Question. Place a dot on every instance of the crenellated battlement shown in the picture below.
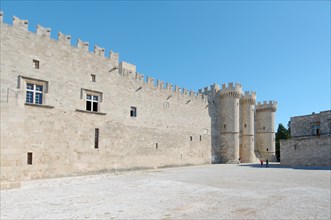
(124, 69)
(231, 87)
(62, 38)
(267, 106)
(99, 51)
(42, 31)
(20, 23)
(82, 45)
(233, 90)
(1, 16)
(160, 84)
(248, 97)
(114, 57)
(211, 90)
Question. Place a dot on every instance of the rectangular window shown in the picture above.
(96, 138)
(29, 158)
(133, 111)
(156, 145)
(35, 64)
(315, 129)
(191, 138)
(34, 94)
(93, 77)
(92, 102)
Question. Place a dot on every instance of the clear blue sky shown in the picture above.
(280, 49)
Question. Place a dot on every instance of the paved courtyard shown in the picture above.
(200, 192)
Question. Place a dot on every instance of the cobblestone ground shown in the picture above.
(200, 192)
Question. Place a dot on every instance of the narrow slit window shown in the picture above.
(157, 145)
(35, 64)
(96, 138)
(245, 125)
(29, 158)
(200, 137)
(133, 111)
(224, 126)
(191, 138)
(93, 77)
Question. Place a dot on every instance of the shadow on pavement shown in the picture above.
(277, 165)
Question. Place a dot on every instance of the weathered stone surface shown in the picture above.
(310, 143)
(306, 151)
(173, 126)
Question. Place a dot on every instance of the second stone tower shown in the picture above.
(229, 122)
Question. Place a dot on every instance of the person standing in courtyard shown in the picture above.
(261, 161)
(267, 163)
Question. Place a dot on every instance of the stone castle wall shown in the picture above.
(306, 151)
(307, 147)
(172, 128)
(302, 125)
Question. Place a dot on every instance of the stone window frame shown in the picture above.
(22, 83)
(92, 93)
(83, 95)
(315, 128)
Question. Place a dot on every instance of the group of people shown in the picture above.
(266, 163)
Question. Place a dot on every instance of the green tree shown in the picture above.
(282, 133)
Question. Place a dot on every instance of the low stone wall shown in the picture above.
(306, 151)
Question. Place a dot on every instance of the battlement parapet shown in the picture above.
(150, 80)
(127, 69)
(233, 90)
(160, 84)
(1, 16)
(211, 90)
(114, 56)
(248, 97)
(66, 39)
(42, 31)
(99, 51)
(231, 87)
(20, 23)
(82, 45)
(139, 77)
(62, 38)
(124, 69)
(169, 86)
(267, 106)
(177, 89)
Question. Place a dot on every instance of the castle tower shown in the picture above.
(265, 130)
(229, 122)
(247, 107)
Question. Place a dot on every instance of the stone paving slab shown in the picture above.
(244, 191)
